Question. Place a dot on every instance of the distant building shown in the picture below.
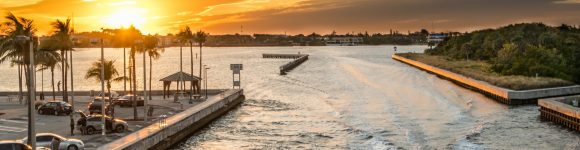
(343, 41)
(436, 37)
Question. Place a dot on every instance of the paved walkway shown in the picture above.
(13, 119)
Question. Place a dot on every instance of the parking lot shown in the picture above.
(13, 119)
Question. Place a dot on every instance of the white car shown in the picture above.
(45, 140)
(14, 145)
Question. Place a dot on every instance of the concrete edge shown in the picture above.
(502, 92)
(153, 134)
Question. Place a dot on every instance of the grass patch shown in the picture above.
(480, 70)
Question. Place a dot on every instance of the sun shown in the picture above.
(125, 18)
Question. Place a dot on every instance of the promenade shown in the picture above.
(13, 119)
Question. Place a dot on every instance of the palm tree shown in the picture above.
(150, 45)
(49, 60)
(134, 35)
(184, 36)
(61, 40)
(111, 73)
(13, 50)
(121, 39)
(200, 38)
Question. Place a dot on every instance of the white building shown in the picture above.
(343, 41)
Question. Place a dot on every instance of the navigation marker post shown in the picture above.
(236, 70)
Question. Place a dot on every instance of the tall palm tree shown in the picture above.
(49, 60)
(133, 35)
(13, 50)
(200, 38)
(111, 73)
(61, 40)
(154, 52)
(121, 39)
(185, 36)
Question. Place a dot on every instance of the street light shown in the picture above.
(205, 79)
(103, 129)
(32, 90)
(72, 89)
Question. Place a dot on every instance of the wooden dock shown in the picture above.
(298, 59)
(560, 110)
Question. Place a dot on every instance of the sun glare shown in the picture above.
(125, 18)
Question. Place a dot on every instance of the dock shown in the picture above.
(503, 95)
(561, 111)
(298, 59)
(167, 132)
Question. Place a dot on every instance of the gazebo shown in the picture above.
(180, 77)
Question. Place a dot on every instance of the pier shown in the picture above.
(503, 95)
(298, 59)
(560, 110)
(165, 133)
(284, 56)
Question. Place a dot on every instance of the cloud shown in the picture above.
(305, 16)
(567, 2)
(16, 3)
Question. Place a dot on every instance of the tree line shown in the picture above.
(528, 49)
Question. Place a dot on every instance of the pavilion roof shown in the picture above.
(181, 76)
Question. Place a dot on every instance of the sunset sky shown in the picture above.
(294, 16)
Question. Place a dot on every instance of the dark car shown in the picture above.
(127, 101)
(92, 124)
(95, 106)
(13, 145)
(55, 108)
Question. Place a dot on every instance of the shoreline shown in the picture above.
(503, 95)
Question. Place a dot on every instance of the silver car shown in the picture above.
(46, 140)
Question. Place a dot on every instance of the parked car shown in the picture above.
(92, 124)
(46, 139)
(14, 145)
(95, 106)
(113, 94)
(127, 101)
(39, 103)
(55, 108)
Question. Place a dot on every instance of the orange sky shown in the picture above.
(294, 16)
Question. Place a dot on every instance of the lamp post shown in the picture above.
(205, 79)
(103, 129)
(32, 90)
(72, 102)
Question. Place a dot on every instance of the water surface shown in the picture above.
(342, 98)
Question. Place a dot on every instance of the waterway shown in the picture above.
(341, 98)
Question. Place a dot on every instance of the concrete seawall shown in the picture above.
(560, 111)
(503, 95)
(162, 135)
(48, 94)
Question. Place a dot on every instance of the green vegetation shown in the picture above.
(530, 49)
(481, 70)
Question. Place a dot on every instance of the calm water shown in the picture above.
(344, 98)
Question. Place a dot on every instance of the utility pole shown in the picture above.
(72, 89)
(145, 86)
(103, 128)
(32, 96)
